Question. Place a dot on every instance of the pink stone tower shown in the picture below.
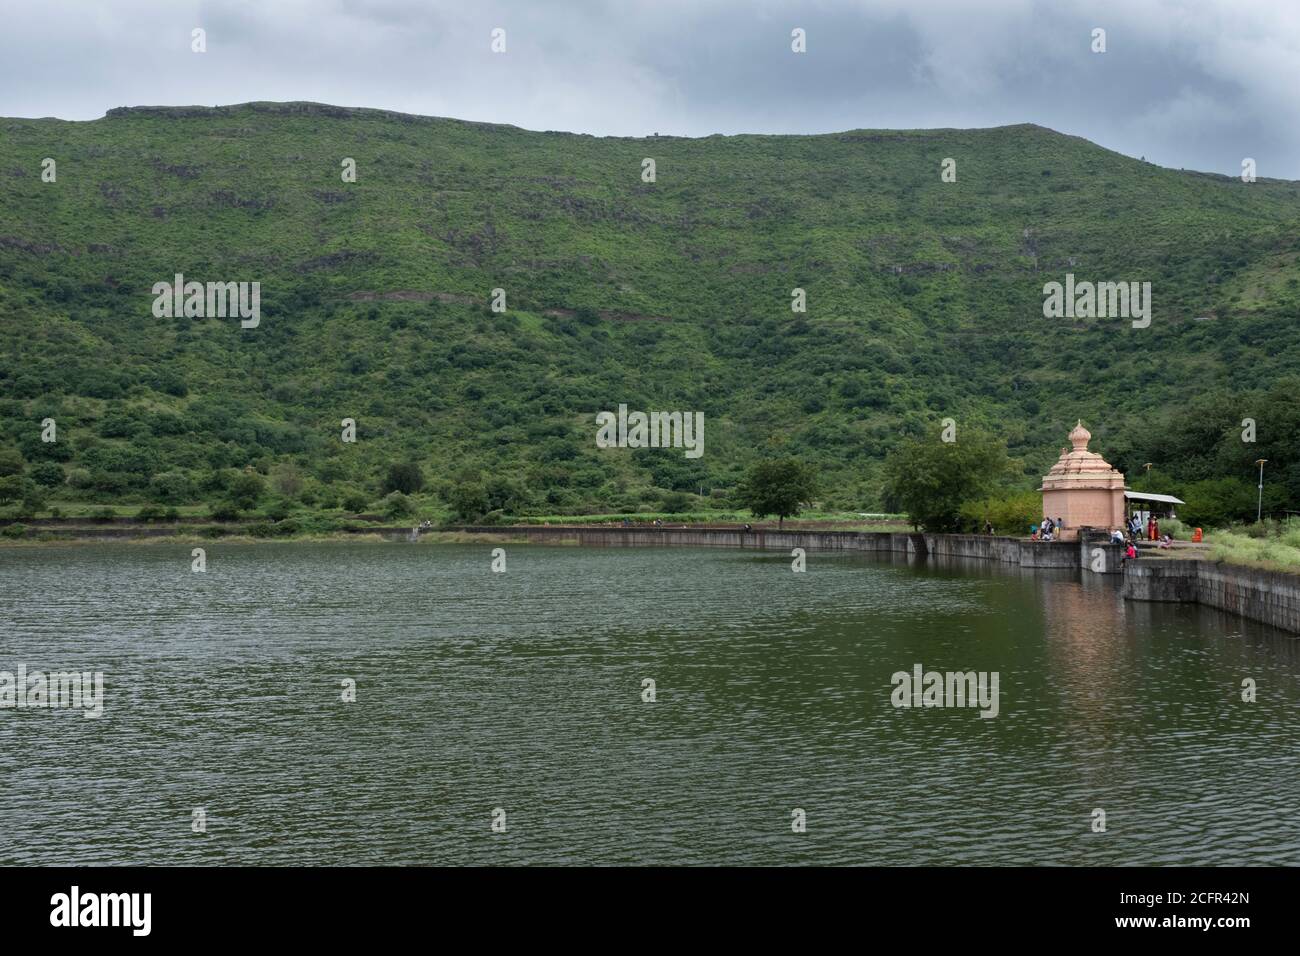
(1082, 489)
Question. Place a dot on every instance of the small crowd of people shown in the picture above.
(1134, 532)
(1128, 540)
(1049, 530)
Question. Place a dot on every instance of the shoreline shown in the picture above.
(1268, 596)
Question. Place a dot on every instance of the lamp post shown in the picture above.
(1147, 510)
(1259, 506)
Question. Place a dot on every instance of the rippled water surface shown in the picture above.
(523, 691)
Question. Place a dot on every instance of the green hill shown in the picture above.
(925, 301)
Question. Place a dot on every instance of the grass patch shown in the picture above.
(1280, 552)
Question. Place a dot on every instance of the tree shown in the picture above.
(504, 494)
(47, 473)
(14, 488)
(287, 480)
(932, 479)
(397, 505)
(34, 499)
(468, 501)
(246, 489)
(1008, 513)
(172, 487)
(11, 462)
(278, 510)
(675, 502)
(223, 511)
(1154, 481)
(405, 477)
(780, 487)
(1218, 502)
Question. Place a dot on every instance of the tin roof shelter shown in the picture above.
(1146, 496)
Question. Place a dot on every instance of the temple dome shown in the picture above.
(1078, 467)
(1079, 437)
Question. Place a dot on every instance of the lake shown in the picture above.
(523, 691)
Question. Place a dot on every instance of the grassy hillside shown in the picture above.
(924, 301)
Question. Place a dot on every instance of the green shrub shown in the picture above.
(405, 477)
(469, 501)
(48, 474)
(223, 511)
(675, 502)
(11, 462)
(278, 510)
(172, 487)
(14, 488)
(1010, 513)
(246, 490)
(397, 505)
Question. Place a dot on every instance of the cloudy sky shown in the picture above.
(1198, 84)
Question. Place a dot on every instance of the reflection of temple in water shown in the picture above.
(1088, 649)
(1085, 623)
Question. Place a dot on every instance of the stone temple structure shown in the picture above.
(1082, 489)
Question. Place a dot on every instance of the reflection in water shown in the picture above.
(1084, 620)
(523, 690)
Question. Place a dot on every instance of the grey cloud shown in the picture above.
(1195, 85)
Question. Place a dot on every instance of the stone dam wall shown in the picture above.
(1267, 596)
(1067, 555)
(1272, 597)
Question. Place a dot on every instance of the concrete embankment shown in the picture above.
(1016, 551)
(1272, 597)
(1267, 596)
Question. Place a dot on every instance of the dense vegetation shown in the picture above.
(924, 302)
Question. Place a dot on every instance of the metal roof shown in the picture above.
(1146, 496)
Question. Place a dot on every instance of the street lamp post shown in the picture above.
(1147, 510)
(1259, 505)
